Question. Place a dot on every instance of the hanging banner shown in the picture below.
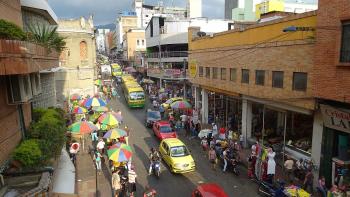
(338, 119)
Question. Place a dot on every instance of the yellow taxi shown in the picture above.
(167, 103)
(176, 155)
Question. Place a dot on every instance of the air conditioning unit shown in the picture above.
(36, 83)
(19, 89)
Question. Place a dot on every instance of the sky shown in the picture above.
(105, 11)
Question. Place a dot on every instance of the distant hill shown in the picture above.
(110, 26)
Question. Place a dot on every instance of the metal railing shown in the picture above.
(167, 73)
(168, 54)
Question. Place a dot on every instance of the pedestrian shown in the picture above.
(309, 181)
(149, 192)
(204, 144)
(289, 164)
(94, 138)
(73, 150)
(183, 119)
(116, 183)
(241, 140)
(161, 110)
(212, 157)
(100, 146)
(193, 130)
(132, 181)
(322, 186)
(222, 133)
(127, 129)
(97, 159)
(225, 158)
(215, 129)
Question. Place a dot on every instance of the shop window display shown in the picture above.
(299, 131)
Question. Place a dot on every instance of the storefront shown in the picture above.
(335, 155)
(288, 132)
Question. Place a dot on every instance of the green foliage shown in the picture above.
(37, 114)
(11, 31)
(50, 130)
(46, 36)
(28, 153)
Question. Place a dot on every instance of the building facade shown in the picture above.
(78, 60)
(331, 85)
(126, 21)
(134, 41)
(283, 6)
(20, 64)
(101, 40)
(257, 81)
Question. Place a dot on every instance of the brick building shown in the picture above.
(331, 86)
(20, 64)
(256, 80)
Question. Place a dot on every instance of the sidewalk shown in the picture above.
(86, 176)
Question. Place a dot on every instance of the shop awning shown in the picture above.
(216, 90)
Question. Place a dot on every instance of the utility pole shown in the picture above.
(160, 63)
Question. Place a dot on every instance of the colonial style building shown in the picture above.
(78, 60)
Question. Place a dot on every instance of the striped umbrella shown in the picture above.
(181, 105)
(94, 102)
(82, 127)
(100, 109)
(115, 134)
(108, 119)
(75, 97)
(119, 152)
(79, 110)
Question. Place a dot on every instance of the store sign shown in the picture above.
(172, 72)
(192, 67)
(335, 118)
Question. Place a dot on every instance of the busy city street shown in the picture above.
(142, 139)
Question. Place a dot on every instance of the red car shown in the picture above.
(209, 190)
(163, 130)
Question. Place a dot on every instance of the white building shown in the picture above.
(299, 7)
(101, 40)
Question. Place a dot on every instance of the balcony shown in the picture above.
(170, 74)
(167, 56)
(22, 57)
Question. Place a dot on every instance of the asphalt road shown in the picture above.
(175, 185)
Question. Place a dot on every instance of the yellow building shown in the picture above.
(134, 41)
(78, 60)
(257, 81)
(268, 6)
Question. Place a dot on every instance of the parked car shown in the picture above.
(209, 190)
(176, 155)
(151, 117)
(167, 103)
(162, 129)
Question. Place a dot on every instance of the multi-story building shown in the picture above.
(134, 41)
(293, 6)
(101, 40)
(240, 10)
(126, 21)
(77, 61)
(331, 87)
(20, 64)
(167, 45)
(257, 80)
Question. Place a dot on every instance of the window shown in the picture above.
(143, 42)
(277, 79)
(207, 72)
(245, 76)
(233, 74)
(215, 73)
(138, 42)
(299, 81)
(260, 77)
(345, 43)
(223, 73)
(83, 50)
(200, 71)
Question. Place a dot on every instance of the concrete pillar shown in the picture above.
(197, 95)
(317, 133)
(204, 109)
(246, 120)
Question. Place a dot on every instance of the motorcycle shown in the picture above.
(156, 168)
(268, 189)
